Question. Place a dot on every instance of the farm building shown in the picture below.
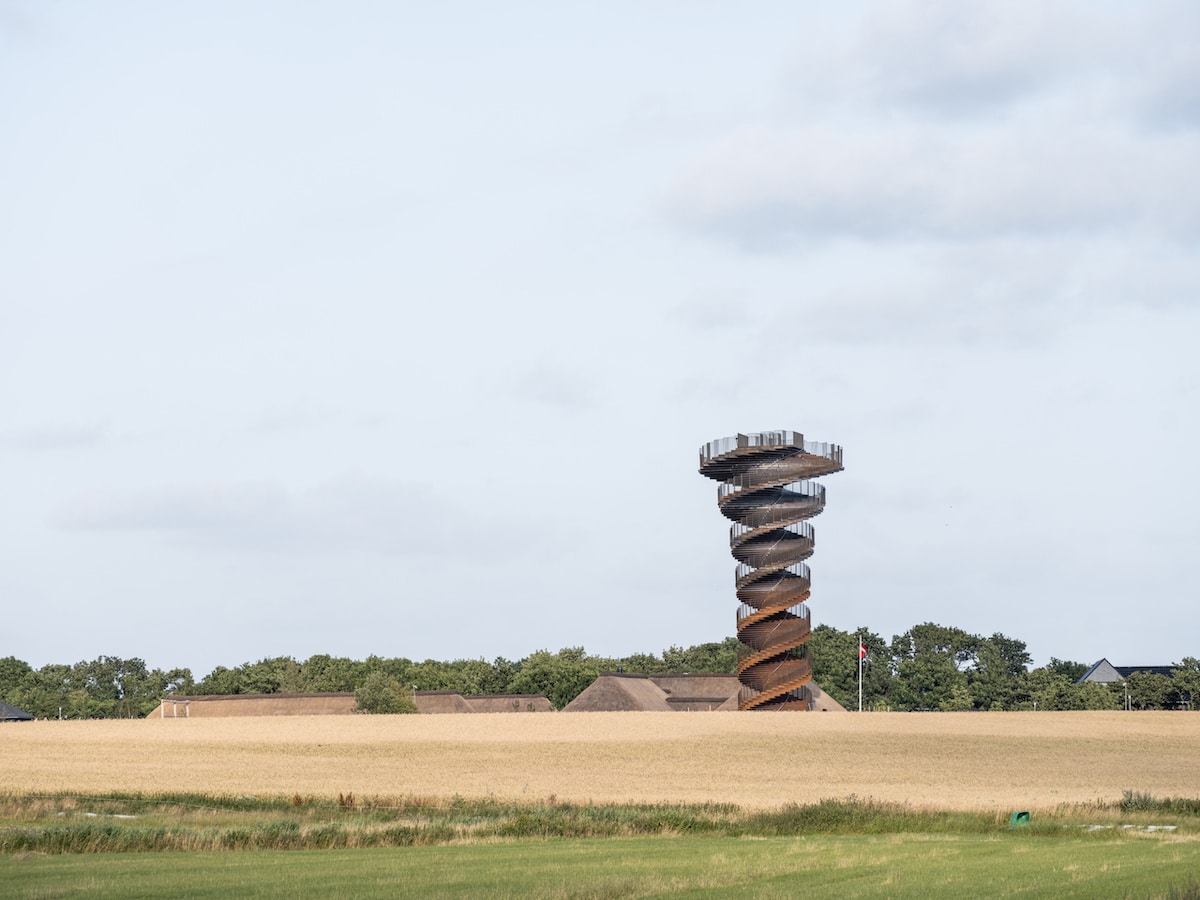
(507, 702)
(336, 704)
(1104, 672)
(621, 691)
(454, 702)
(12, 714)
(610, 692)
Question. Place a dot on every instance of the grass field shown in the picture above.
(904, 866)
(945, 760)
(602, 805)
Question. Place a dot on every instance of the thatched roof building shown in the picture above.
(337, 704)
(508, 703)
(624, 691)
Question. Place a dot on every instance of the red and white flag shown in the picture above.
(862, 650)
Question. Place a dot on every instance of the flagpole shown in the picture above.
(860, 659)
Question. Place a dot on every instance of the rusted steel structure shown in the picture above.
(766, 489)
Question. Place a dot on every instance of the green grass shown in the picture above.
(899, 866)
(188, 845)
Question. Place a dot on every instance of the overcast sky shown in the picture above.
(395, 328)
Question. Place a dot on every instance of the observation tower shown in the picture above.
(766, 489)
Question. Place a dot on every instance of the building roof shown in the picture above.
(618, 691)
(614, 693)
(12, 714)
(508, 703)
(1126, 671)
(821, 701)
(338, 703)
(1104, 672)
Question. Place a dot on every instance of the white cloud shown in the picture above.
(714, 311)
(1011, 292)
(965, 121)
(55, 437)
(557, 386)
(772, 187)
(956, 59)
(347, 514)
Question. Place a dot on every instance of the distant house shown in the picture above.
(12, 714)
(1104, 672)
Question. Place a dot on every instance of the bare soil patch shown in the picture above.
(946, 760)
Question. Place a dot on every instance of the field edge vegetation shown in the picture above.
(72, 823)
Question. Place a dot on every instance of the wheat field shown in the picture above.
(945, 760)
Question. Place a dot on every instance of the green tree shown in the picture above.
(1072, 670)
(1100, 696)
(398, 667)
(1185, 677)
(382, 694)
(46, 690)
(14, 675)
(834, 655)
(322, 674)
(267, 676)
(291, 678)
(958, 700)
(1054, 687)
(79, 704)
(220, 680)
(719, 657)
(432, 675)
(95, 688)
(998, 677)
(1148, 690)
(926, 681)
(137, 690)
(156, 685)
(473, 676)
(176, 681)
(931, 662)
(930, 638)
(561, 676)
(644, 663)
(1050, 688)
(503, 672)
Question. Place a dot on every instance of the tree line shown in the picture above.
(934, 667)
(928, 667)
(112, 687)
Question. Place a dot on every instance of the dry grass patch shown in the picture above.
(945, 760)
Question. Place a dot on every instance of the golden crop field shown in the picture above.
(949, 760)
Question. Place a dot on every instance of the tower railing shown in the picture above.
(768, 440)
(803, 529)
(802, 488)
(800, 570)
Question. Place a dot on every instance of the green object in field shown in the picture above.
(1018, 819)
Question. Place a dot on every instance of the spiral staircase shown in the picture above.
(767, 490)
